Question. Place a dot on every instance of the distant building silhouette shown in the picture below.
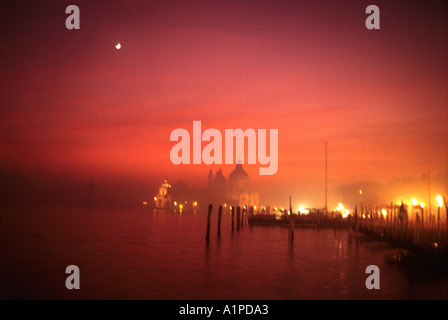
(237, 191)
(163, 199)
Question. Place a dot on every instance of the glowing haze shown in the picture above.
(73, 107)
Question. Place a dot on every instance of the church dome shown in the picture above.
(220, 180)
(239, 176)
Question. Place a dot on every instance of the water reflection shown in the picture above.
(123, 253)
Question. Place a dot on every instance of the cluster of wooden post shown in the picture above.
(393, 226)
(397, 226)
(241, 217)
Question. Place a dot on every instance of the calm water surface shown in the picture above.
(143, 254)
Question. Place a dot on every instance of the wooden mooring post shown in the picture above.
(356, 226)
(219, 220)
(446, 212)
(291, 221)
(353, 227)
(291, 227)
(207, 236)
(233, 217)
(238, 217)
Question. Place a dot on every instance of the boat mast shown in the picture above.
(326, 176)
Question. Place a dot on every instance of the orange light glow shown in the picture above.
(439, 200)
(302, 210)
(344, 212)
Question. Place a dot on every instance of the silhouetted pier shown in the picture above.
(392, 224)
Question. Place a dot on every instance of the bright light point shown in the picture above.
(439, 200)
(414, 202)
(360, 191)
(302, 210)
(344, 212)
(384, 212)
(155, 198)
(118, 46)
(422, 204)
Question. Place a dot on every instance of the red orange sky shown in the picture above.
(73, 105)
